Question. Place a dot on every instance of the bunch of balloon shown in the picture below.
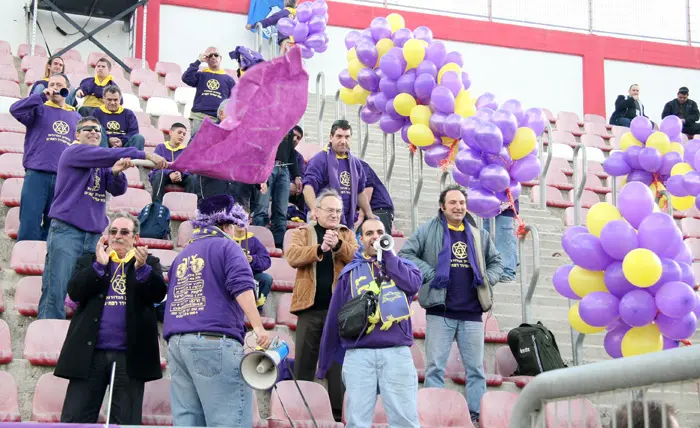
(631, 275)
(684, 182)
(649, 156)
(308, 27)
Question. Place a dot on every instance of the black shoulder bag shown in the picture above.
(353, 319)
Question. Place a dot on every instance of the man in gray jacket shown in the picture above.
(460, 264)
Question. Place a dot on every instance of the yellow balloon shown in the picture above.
(681, 168)
(413, 53)
(682, 203)
(354, 67)
(420, 115)
(467, 110)
(396, 21)
(404, 103)
(678, 148)
(584, 282)
(642, 267)
(360, 94)
(449, 67)
(420, 135)
(627, 140)
(599, 215)
(523, 143)
(347, 96)
(383, 46)
(352, 54)
(660, 142)
(580, 325)
(465, 105)
(642, 340)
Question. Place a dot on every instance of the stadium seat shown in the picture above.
(76, 77)
(690, 227)
(5, 47)
(44, 341)
(9, 72)
(165, 122)
(439, 407)
(166, 259)
(187, 110)
(454, 369)
(283, 316)
(496, 409)
(556, 178)
(596, 129)
(283, 275)
(597, 169)
(11, 142)
(156, 403)
(124, 85)
(133, 177)
(143, 119)
(315, 395)
(11, 165)
(173, 81)
(591, 140)
(9, 89)
(578, 413)
(418, 361)
(568, 126)
(96, 56)
(2, 303)
(548, 114)
(183, 206)
(594, 118)
(49, 395)
(140, 76)
(492, 332)
(5, 344)
(150, 89)
(11, 192)
(185, 95)
(25, 49)
(569, 216)
(398, 243)
(27, 294)
(308, 150)
(9, 399)
(595, 155)
(265, 237)
(34, 75)
(131, 102)
(72, 66)
(564, 137)
(6, 103)
(152, 136)
(136, 63)
(561, 151)
(588, 198)
(594, 184)
(132, 201)
(505, 362)
(418, 320)
(6, 59)
(163, 68)
(553, 197)
(619, 131)
(568, 116)
(29, 61)
(12, 223)
(28, 257)
(694, 245)
(152, 243)
(184, 233)
(157, 106)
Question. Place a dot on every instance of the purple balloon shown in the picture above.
(423, 87)
(306, 52)
(423, 33)
(644, 177)
(535, 119)
(487, 100)
(391, 111)
(696, 161)
(452, 81)
(453, 126)
(301, 31)
(561, 282)
(616, 165)
(650, 159)
(427, 67)
(368, 79)
(391, 66)
(346, 80)
(515, 189)
(670, 271)
(469, 162)
(304, 13)
(484, 114)
(677, 328)
(676, 186)
(380, 28)
(494, 178)
(380, 101)
(659, 233)
(613, 340)
(285, 26)
(671, 125)
(615, 280)
(514, 107)
(390, 125)
(670, 344)
(687, 275)
(675, 299)
(480, 201)
(366, 33)
(635, 203)
(641, 128)
(463, 179)
(668, 161)
(404, 136)
(388, 86)
(637, 308)
(369, 116)
(401, 36)
(437, 123)
(632, 157)
(436, 53)
(691, 148)
(406, 83)
(469, 125)
(507, 123)
(319, 8)
(316, 26)
(323, 48)
(314, 41)
(456, 58)
(434, 155)
(442, 100)
(367, 53)
(599, 308)
(618, 238)
(526, 169)
(691, 182)
(488, 138)
(586, 251)
(684, 255)
(676, 138)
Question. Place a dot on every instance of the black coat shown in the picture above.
(673, 107)
(90, 290)
(625, 107)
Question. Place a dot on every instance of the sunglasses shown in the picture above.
(122, 232)
(213, 55)
(90, 129)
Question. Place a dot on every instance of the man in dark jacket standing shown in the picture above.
(686, 109)
(115, 324)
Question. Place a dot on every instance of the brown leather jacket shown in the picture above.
(302, 255)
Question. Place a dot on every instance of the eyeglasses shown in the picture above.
(90, 129)
(122, 232)
(213, 55)
(330, 211)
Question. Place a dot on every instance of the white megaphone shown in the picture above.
(384, 243)
(259, 369)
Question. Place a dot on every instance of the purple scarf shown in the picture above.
(333, 183)
(442, 271)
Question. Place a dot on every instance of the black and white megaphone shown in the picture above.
(260, 369)
(384, 243)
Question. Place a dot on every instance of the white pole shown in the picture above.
(111, 391)
(143, 37)
(34, 18)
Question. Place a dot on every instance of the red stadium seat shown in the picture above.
(44, 341)
(564, 137)
(152, 243)
(558, 179)
(76, 77)
(492, 332)
(694, 245)
(132, 201)
(5, 344)
(594, 184)
(10, 124)
(454, 369)
(10, 89)
(380, 419)
(418, 320)
(568, 126)
(596, 129)
(308, 150)
(11, 142)
(38, 62)
(9, 72)
(5, 47)
(174, 81)
(152, 136)
(553, 197)
(418, 361)
(139, 76)
(9, 399)
(136, 63)
(11, 192)
(143, 119)
(569, 216)
(7, 59)
(2, 303)
(266, 238)
(12, 222)
(283, 275)
(183, 206)
(559, 164)
(283, 316)
(579, 413)
(166, 122)
(439, 407)
(184, 233)
(398, 243)
(133, 177)
(27, 294)
(11, 165)
(49, 395)
(150, 89)
(496, 409)
(163, 68)
(94, 57)
(596, 168)
(156, 403)
(588, 198)
(28, 257)
(505, 362)
(318, 401)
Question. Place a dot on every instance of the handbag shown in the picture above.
(353, 318)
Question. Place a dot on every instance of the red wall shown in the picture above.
(593, 49)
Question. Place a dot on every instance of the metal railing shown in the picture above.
(578, 338)
(526, 292)
(340, 108)
(362, 135)
(545, 165)
(443, 180)
(320, 104)
(669, 207)
(415, 186)
(389, 160)
(273, 48)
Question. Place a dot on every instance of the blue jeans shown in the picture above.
(206, 387)
(65, 244)
(278, 190)
(264, 284)
(439, 335)
(35, 203)
(136, 141)
(622, 121)
(506, 244)
(390, 369)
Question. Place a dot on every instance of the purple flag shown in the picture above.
(267, 102)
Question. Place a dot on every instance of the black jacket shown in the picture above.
(286, 153)
(90, 290)
(673, 107)
(625, 107)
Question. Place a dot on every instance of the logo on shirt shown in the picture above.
(345, 178)
(188, 292)
(119, 284)
(213, 84)
(459, 250)
(113, 125)
(61, 127)
(95, 191)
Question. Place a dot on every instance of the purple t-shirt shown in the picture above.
(345, 181)
(380, 196)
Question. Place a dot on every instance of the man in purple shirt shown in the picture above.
(91, 88)
(116, 288)
(171, 150)
(86, 173)
(379, 199)
(120, 124)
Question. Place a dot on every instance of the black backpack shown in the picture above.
(155, 221)
(535, 349)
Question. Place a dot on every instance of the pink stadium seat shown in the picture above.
(619, 131)
(418, 361)
(44, 341)
(174, 81)
(568, 126)
(150, 89)
(152, 243)
(690, 227)
(9, 400)
(379, 420)
(316, 396)
(564, 137)
(308, 150)
(396, 233)
(266, 238)
(135, 63)
(123, 84)
(27, 296)
(184, 233)
(283, 275)
(596, 168)
(7, 59)
(439, 407)
(5, 344)
(143, 119)
(76, 77)
(152, 136)
(418, 319)
(562, 165)
(267, 322)
(595, 184)
(49, 395)
(12, 222)
(9, 89)
(166, 259)
(94, 57)
(34, 75)
(454, 369)
(568, 116)
(72, 66)
(5, 47)
(166, 121)
(72, 55)
(696, 272)
(183, 206)
(11, 192)
(28, 257)
(139, 76)
(548, 114)
(588, 198)
(33, 62)
(132, 201)
(694, 245)
(596, 129)
(11, 165)
(505, 362)
(283, 316)
(579, 413)
(492, 332)
(163, 68)
(591, 140)
(10, 124)
(25, 49)
(569, 216)
(496, 408)
(9, 72)
(556, 178)
(156, 403)
(594, 118)
(553, 197)
(133, 177)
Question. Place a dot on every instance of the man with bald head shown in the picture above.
(213, 86)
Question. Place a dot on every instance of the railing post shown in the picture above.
(389, 160)
(35, 7)
(340, 111)
(526, 293)
(545, 165)
(259, 37)
(443, 180)
(669, 207)
(613, 187)
(688, 27)
(320, 104)
(578, 338)
(415, 190)
(362, 135)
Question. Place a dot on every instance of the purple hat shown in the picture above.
(220, 209)
(246, 57)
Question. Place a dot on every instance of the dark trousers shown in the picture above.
(386, 216)
(309, 331)
(35, 203)
(213, 186)
(84, 396)
(248, 196)
(691, 128)
(160, 180)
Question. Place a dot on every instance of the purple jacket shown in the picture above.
(122, 124)
(170, 154)
(261, 258)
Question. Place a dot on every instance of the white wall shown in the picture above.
(14, 26)
(658, 85)
(537, 79)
